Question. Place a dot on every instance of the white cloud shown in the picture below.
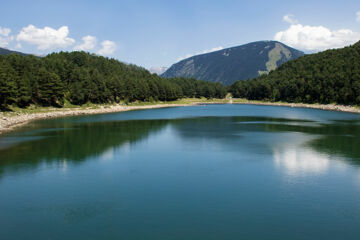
(358, 16)
(158, 70)
(46, 38)
(89, 43)
(316, 38)
(5, 31)
(18, 46)
(201, 52)
(290, 19)
(4, 42)
(5, 39)
(108, 48)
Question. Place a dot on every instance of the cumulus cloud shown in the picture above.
(358, 16)
(89, 43)
(5, 39)
(315, 38)
(5, 31)
(290, 19)
(108, 48)
(45, 38)
(201, 52)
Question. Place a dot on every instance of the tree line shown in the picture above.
(79, 77)
(332, 76)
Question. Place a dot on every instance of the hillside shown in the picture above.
(80, 77)
(332, 76)
(236, 63)
(4, 51)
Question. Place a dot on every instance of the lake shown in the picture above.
(197, 172)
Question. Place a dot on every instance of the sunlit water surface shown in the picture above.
(202, 172)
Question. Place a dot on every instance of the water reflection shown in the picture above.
(74, 143)
(306, 150)
(299, 147)
(217, 177)
(299, 161)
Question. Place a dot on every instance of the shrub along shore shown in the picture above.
(19, 116)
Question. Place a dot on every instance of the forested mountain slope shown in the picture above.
(4, 51)
(332, 76)
(80, 77)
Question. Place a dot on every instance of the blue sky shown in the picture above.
(159, 33)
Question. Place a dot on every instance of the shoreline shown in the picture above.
(326, 107)
(10, 123)
(16, 119)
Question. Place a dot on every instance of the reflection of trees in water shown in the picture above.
(223, 128)
(332, 138)
(299, 147)
(77, 142)
(336, 137)
(74, 143)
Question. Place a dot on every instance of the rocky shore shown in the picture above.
(328, 107)
(9, 122)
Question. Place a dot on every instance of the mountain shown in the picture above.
(4, 51)
(332, 76)
(236, 63)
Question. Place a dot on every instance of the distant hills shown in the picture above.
(332, 76)
(4, 51)
(237, 63)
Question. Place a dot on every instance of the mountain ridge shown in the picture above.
(235, 63)
(5, 51)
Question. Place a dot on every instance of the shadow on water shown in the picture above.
(76, 142)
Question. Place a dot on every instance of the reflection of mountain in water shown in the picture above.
(78, 141)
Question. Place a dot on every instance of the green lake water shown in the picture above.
(202, 172)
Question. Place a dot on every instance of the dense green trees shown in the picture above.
(7, 83)
(81, 77)
(332, 76)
